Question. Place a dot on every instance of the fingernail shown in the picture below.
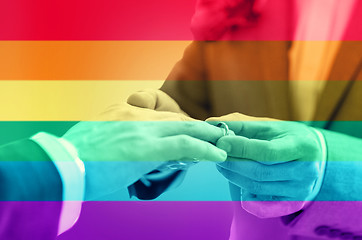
(224, 146)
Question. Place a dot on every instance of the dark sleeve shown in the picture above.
(187, 82)
(30, 192)
(157, 187)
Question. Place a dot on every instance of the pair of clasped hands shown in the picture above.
(273, 164)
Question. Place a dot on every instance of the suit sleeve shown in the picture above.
(30, 192)
(338, 207)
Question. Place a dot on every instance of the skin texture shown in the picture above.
(127, 142)
(275, 163)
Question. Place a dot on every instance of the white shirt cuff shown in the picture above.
(322, 166)
(72, 173)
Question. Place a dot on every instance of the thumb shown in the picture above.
(143, 99)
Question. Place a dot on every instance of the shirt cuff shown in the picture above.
(293, 218)
(322, 166)
(72, 174)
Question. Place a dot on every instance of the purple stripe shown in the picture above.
(166, 220)
(153, 220)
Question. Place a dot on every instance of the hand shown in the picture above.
(154, 99)
(118, 153)
(158, 100)
(276, 163)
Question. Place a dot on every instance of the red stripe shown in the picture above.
(137, 20)
(95, 19)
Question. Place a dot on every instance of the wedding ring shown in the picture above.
(225, 128)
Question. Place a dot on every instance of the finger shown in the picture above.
(197, 129)
(256, 130)
(278, 188)
(300, 176)
(261, 172)
(266, 152)
(185, 147)
(250, 127)
(237, 117)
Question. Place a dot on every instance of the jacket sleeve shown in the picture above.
(185, 89)
(187, 84)
(30, 192)
(338, 207)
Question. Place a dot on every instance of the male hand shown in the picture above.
(127, 142)
(154, 99)
(277, 164)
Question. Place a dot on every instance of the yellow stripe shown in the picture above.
(63, 100)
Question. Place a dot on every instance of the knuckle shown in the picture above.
(190, 127)
(187, 124)
(184, 142)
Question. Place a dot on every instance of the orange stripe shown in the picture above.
(88, 60)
